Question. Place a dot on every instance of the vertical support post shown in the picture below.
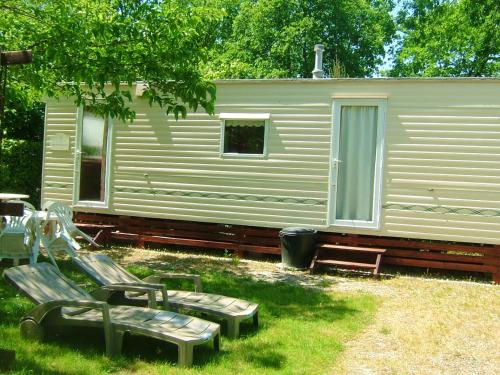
(185, 354)
(9, 58)
(140, 241)
(376, 271)
(233, 327)
(3, 86)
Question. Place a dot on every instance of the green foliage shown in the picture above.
(235, 260)
(23, 120)
(275, 38)
(93, 50)
(21, 168)
(448, 38)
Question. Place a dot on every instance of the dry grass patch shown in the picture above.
(430, 327)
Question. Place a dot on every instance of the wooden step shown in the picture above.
(101, 232)
(351, 248)
(342, 263)
(325, 256)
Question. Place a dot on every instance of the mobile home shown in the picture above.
(398, 158)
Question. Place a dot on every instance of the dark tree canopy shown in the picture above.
(275, 38)
(448, 38)
(82, 46)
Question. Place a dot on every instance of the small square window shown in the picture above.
(244, 137)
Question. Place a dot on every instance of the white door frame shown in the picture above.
(78, 162)
(381, 103)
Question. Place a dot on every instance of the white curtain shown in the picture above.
(356, 170)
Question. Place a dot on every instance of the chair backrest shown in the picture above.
(42, 282)
(30, 232)
(14, 224)
(17, 237)
(103, 270)
(64, 214)
(17, 224)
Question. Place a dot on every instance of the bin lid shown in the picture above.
(294, 231)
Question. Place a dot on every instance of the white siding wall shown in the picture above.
(187, 179)
(58, 166)
(441, 171)
(443, 162)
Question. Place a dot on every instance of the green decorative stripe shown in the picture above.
(59, 186)
(241, 197)
(490, 212)
(200, 194)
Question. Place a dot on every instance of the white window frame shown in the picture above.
(266, 117)
(381, 103)
(78, 159)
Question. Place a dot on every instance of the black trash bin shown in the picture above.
(297, 246)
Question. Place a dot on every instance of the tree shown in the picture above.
(275, 38)
(88, 49)
(448, 38)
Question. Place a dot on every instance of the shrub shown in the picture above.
(21, 168)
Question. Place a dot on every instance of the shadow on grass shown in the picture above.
(264, 356)
(278, 300)
(170, 260)
(429, 273)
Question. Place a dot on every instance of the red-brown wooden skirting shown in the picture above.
(242, 239)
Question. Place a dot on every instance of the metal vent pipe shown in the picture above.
(318, 61)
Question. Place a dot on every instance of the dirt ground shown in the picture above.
(423, 325)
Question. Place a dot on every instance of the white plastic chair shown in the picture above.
(65, 218)
(62, 237)
(17, 237)
(52, 235)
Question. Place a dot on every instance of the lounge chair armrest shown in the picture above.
(157, 278)
(145, 285)
(129, 288)
(136, 289)
(140, 289)
(41, 311)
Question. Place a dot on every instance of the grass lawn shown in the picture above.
(302, 331)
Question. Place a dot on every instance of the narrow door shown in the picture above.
(356, 168)
(92, 160)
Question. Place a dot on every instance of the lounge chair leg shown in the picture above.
(217, 343)
(256, 320)
(233, 328)
(31, 330)
(114, 344)
(185, 355)
(51, 258)
(118, 342)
